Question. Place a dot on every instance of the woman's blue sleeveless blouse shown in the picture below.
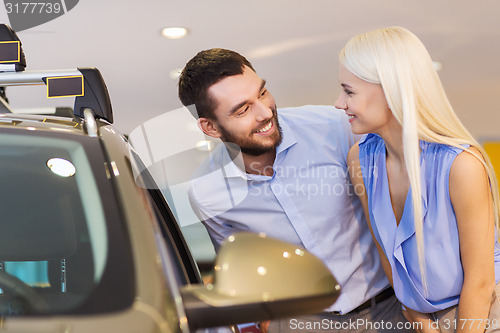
(441, 242)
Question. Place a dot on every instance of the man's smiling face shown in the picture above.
(246, 113)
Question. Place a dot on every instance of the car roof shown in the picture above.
(31, 122)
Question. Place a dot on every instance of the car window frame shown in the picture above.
(169, 226)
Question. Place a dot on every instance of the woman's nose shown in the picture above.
(340, 103)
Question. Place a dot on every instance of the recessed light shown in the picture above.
(174, 32)
(437, 65)
(174, 74)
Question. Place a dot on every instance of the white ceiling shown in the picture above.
(293, 44)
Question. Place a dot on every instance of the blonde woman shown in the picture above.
(427, 187)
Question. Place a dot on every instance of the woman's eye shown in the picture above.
(348, 92)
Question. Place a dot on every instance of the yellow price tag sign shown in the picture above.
(10, 51)
(65, 86)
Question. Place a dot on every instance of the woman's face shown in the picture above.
(364, 103)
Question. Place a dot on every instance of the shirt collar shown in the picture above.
(230, 167)
(288, 139)
(365, 137)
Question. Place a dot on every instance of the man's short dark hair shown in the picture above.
(204, 70)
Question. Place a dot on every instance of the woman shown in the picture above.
(427, 187)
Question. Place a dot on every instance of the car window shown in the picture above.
(58, 216)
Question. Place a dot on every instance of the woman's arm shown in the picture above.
(471, 199)
(359, 188)
(356, 176)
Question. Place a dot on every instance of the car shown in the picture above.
(88, 242)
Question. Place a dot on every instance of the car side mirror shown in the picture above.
(260, 278)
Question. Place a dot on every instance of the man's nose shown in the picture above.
(264, 112)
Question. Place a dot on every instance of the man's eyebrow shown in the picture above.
(345, 85)
(262, 85)
(238, 106)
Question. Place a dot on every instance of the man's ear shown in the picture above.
(209, 127)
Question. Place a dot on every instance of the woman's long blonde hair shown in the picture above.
(397, 60)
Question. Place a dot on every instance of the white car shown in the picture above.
(89, 244)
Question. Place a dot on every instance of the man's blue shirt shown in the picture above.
(309, 201)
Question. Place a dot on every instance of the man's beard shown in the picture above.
(249, 146)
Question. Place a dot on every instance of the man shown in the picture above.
(284, 173)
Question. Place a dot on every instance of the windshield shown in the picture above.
(54, 226)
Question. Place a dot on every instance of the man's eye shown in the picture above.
(263, 92)
(243, 111)
(348, 92)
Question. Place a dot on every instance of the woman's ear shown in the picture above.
(209, 127)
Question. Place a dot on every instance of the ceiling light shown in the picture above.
(174, 74)
(174, 32)
(437, 65)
